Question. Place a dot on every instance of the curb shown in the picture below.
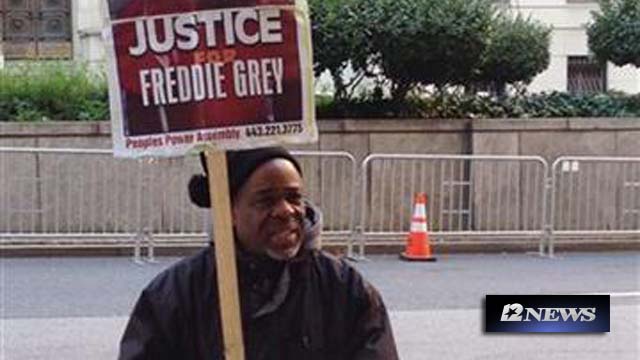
(338, 250)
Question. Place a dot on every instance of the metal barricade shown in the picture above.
(486, 198)
(87, 198)
(595, 199)
(330, 183)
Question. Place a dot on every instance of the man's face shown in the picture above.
(268, 210)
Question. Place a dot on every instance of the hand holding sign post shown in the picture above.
(205, 75)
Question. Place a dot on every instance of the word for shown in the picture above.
(214, 56)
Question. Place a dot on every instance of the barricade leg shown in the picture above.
(361, 247)
(350, 247)
(150, 247)
(550, 245)
(137, 248)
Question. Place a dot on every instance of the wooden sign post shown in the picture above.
(225, 256)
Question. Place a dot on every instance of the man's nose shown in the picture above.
(283, 208)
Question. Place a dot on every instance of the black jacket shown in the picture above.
(311, 307)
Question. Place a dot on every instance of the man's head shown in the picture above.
(266, 195)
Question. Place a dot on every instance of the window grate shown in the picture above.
(585, 75)
(36, 28)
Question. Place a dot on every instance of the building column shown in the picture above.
(88, 21)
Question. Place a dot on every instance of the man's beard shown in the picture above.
(281, 246)
(285, 254)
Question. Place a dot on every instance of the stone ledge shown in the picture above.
(519, 124)
(393, 125)
(604, 123)
(345, 126)
(556, 124)
(54, 128)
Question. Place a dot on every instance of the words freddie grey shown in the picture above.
(199, 82)
(202, 81)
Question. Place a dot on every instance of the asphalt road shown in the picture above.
(76, 308)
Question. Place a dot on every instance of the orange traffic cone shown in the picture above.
(418, 247)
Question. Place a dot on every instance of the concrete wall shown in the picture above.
(579, 137)
(551, 138)
(519, 199)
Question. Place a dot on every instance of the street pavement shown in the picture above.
(76, 308)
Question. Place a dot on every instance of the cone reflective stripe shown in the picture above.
(419, 220)
(418, 225)
(418, 247)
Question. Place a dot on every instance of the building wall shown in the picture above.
(569, 20)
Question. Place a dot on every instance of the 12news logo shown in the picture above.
(547, 313)
(513, 312)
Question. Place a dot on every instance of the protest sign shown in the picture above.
(210, 75)
(231, 74)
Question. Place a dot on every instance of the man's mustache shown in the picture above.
(293, 221)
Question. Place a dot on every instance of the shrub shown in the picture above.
(614, 35)
(430, 41)
(518, 50)
(341, 37)
(407, 43)
(52, 91)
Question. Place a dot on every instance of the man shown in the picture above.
(296, 301)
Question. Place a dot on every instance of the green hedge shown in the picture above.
(52, 91)
(460, 106)
(58, 91)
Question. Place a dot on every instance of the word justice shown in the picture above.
(181, 31)
(198, 82)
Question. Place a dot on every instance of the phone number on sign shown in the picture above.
(273, 129)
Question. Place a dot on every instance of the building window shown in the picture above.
(36, 29)
(585, 75)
